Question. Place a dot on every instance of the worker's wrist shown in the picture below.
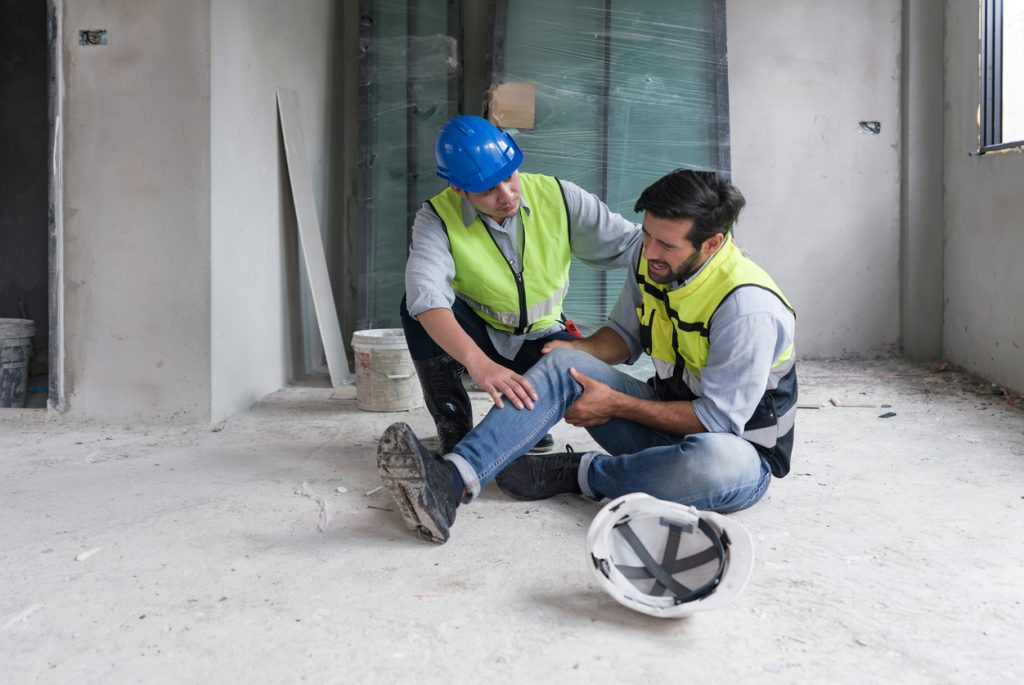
(473, 360)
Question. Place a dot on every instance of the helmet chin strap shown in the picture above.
(663, 571)
(667, 559)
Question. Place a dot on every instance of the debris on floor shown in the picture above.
(323, 519)
(837, 402)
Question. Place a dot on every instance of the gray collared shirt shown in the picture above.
(597, 237)
(749, 331)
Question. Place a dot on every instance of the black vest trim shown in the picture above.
(750, 285)
(775, 403)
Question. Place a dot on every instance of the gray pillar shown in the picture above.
(921, 197)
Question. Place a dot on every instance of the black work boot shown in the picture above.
(539, 476)
(446, 399)
(544, 445)
(421, 484)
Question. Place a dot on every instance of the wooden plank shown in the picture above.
(309, 236)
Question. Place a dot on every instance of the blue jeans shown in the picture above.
(710, 471)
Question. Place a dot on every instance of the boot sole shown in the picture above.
(520, 498)
(402, 473)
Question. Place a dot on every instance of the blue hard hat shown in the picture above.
(474, 155)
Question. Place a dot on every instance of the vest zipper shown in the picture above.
(520, 287)
(522, 300)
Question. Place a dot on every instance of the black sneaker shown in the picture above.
(534, 476)
(420, 483)
(544, 445)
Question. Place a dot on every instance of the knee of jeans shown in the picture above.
(563, 357)
(556, 365)
(553, 361)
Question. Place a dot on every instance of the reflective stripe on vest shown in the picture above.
(675, 332)
(487, 282)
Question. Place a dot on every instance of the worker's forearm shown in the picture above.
(443, 329)
(674, 418)
(605, 344)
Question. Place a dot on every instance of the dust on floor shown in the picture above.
(263, 550)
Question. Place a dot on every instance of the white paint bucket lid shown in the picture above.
(379, 339)
(17, 328)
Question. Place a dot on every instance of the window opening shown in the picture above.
(1002, 75)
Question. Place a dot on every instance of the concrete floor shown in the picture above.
(157, 554)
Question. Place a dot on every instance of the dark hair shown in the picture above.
(707, 197)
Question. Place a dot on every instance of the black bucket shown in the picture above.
(15, 354)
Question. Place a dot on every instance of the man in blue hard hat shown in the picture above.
(488, 269)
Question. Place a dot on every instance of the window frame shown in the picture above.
(991, 138)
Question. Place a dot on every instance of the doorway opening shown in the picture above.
(28, 52)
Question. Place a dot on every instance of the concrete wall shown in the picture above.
(136, 217)
(823, 214)
(983, 327)
(263, 329)
(183, 286)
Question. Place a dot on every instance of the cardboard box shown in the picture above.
(511, 105)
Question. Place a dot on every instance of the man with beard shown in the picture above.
(709, 430)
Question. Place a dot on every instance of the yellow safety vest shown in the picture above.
(509, 301)
(675, 330)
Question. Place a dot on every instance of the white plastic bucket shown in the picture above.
(385, 376)
(15, 354)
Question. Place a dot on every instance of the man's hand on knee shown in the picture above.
(595, 406)
(497, 380)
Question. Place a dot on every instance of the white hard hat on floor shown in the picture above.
(666, 559)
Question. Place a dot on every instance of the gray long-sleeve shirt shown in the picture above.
(597, 237)
(750, 330)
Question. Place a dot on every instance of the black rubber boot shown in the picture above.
(421, 484)
(446, 399)
(535, 476)
(544, 445)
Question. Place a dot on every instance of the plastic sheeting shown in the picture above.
(408, 88)
(625, 92)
